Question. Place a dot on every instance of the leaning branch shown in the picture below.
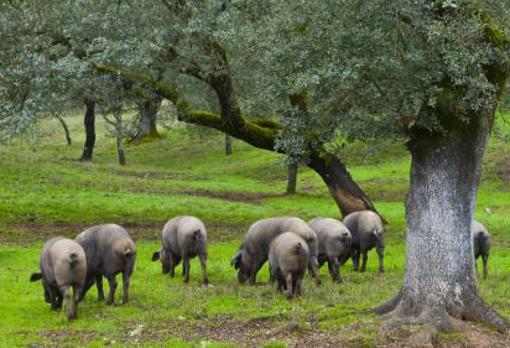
(257, 133)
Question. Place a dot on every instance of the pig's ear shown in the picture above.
(156, 256)
(236, 260)
(35, 277)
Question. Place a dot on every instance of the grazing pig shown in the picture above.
(481, 244)
(63, 265)
(288, 258)
(334, 244)
(367, 231)
(109, 251)
(253, 253)
(183, 237)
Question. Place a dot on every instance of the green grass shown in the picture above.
(45, 191)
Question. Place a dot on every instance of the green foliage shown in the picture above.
(368, 68)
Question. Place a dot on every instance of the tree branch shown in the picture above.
(260, 133)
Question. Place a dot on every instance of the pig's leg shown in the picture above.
(99, 285)
(257, 265)
(125, 286)
(288, 282)
(185, 268)
(69, 304)
(380, 254)
(355, 258)
(364, 255)
(113, 286)
(484, 259)
(334, 269)
(314, 267)
(203, 266)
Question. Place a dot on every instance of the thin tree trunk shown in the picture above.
(117, 114)
(228, 145)
(66, 130)
(146, 127)
(120, 149)
(439, 285)
(292, 177)
(90, 129)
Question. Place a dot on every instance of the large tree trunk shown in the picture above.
(146, 127)
(90, 129)
(439, 285)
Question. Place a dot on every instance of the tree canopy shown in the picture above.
(366, 69)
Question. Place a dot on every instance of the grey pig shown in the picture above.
(109, 251)
(63, 265)
(288, 258)
(481, 244)
(334, 244)
(253, 253)
(367, 231)
(183, 237)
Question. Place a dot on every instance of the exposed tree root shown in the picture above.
(388, 306)
(479, 311)
(404, 310)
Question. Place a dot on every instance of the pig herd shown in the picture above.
(289, 244)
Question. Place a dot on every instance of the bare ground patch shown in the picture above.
(29, 233)
(59, 338)
(246, 334)
(239, 197)
(255, 333)
(243, 197)
(259, 332)
(155, 175)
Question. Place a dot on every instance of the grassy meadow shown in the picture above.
(45, 191)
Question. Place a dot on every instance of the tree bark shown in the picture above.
(439, 286)
(117, 123)
(90, 129)
(120, 149)
(346, 193)
(292, 177)
(228, 145)
(146, 127)
(66, 130)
